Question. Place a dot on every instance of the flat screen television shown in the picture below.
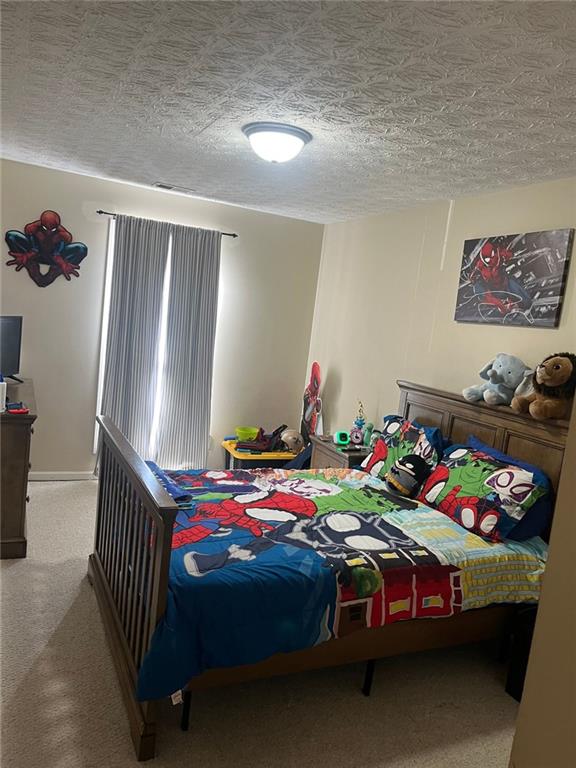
(10, 339)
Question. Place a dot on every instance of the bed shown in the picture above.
(154, 558)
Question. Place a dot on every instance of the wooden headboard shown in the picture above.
(539, 443)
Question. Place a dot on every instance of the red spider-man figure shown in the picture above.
(255, 512)
(45, 241)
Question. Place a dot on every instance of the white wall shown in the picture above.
(268, 283)
(387, 291)
(545, 735)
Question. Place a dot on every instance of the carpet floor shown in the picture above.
(61, 705)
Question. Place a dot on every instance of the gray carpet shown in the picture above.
(61, 706)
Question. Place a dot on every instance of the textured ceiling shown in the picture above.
(407, 101)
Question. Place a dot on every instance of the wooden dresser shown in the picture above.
(326, 454)
(15, 434)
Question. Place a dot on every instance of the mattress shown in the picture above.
(267, 561)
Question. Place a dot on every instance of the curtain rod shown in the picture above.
(100, 212)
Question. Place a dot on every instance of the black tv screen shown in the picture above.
(10, 338)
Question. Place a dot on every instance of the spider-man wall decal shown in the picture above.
(45, 243)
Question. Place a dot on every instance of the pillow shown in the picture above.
(401, 437)
(485, 494)
(538, 518)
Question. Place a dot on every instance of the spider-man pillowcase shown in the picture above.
(401, 437)
(492, 495)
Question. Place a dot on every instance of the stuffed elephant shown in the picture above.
(502, 376)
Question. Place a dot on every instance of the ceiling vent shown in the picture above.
(173, 188)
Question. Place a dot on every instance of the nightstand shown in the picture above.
(325, 453)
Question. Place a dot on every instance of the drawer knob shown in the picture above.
(27, 499)
(31, 430)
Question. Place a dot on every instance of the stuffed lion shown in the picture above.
(554, 384)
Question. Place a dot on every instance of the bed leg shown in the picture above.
(185, 719)
(368, 677)
(503, 651)
(144, 746)
(505, 639)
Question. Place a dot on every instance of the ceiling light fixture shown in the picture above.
(276, 142)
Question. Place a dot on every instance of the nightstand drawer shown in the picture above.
(326, 454)
(323, 457)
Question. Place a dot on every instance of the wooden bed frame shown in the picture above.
(129, 567)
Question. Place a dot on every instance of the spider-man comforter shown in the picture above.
(269, 561)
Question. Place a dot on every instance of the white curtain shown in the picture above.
(184, 421)
(160, 346)
(139, 264)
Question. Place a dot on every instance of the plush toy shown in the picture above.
(554, 385)
(368, 429)
(502, 375)
(375, 435)
(407, 475)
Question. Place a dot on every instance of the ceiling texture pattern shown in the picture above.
(407, 101)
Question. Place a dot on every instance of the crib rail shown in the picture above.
(129, 567)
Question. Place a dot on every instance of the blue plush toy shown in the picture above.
(502, 376)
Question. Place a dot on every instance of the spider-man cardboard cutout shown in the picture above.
(45, 243)
(311, 423)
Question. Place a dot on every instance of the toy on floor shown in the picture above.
(554, 385)
(502, 375)
(407, 475)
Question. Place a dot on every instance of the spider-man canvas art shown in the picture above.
(45, 249)
(514, 279)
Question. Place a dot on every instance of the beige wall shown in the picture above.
(546, 727)
(268, 283)
(386, 297)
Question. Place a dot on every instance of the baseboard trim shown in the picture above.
(47, 476)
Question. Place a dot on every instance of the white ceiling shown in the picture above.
(407, 101)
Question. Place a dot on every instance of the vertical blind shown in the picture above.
(158, 377)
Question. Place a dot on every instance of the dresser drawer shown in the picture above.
(15, 434)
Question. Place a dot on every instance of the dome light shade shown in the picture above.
(276, 142)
